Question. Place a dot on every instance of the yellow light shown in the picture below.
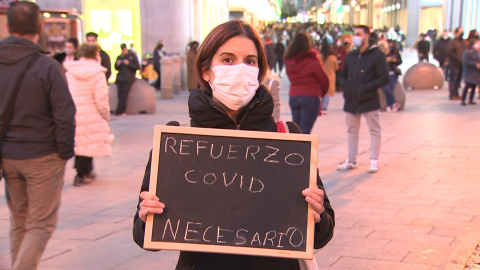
(353, 3)
(46, 15)
(63, 15)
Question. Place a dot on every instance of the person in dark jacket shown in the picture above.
(456, 47)
(104, 57)
(423, 48)
(158, 54)
(471, 70)
(440, 51)
(233, 49)
(270, 51)
(394, 59)
(127, 66)
(39, 137)
(308, 81)
(279, 52)
(364, 71)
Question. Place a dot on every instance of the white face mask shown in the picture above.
(357, 41)
(235, 85)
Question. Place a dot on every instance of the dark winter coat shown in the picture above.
(360, 76)
(440, 50)
(43, 120)
(106, 63)
(257, 115)
(126, 73)
(470, 60)
(306, 74)
(456, 47)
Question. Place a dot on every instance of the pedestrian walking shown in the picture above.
(440, 52)
(37, 134)
(471, 70)
(192, 80)
(394, 59)
(364, 71)
(105, 61)
(423, 48)
(231, 64)
(456, 47)
(328, 58)
(127, 66)
(308, 81)
(270, 51)
(158, 54)
(90, 93)
(279, 52)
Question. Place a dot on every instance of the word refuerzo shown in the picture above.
(266, 153)
(255, 152)
(196, 232)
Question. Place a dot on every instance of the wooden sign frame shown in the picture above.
(221, 248)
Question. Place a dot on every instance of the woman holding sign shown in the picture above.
(230, 65)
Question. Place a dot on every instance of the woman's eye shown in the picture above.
(227, 60)
(251, 62)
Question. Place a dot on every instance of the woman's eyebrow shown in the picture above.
(226, 53)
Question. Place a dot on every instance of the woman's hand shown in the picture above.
(150, 205)
(314, 197)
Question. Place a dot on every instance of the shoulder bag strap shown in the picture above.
(7, 114)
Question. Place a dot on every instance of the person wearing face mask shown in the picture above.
(86, 82)
(308, 81)
(456, 47)
(70, 52)
(440, 50)
(230, 64)
(471, 67)
(364, 71)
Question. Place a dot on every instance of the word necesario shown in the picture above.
(196, 232)
(206, 149)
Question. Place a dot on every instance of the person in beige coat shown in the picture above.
(328, 58)
(86, 81)
(192, 81)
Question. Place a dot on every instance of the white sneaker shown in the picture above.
(373, 166)
(347, 165)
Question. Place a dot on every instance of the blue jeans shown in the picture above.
(388, 90)
(304, 112)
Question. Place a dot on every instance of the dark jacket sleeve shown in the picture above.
(63, 111)
(323, 229)
(138, 224)
(342, 74)
(106, 63)
(381, 70)
(133, 64)
(322, 79)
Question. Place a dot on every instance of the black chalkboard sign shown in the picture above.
(231, 191)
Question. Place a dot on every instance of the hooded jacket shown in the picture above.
(257, 115)
(306, 74)
(86, 81)
(360, 76)
(43, 120)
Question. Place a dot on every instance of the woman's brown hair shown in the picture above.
(301, 43)
(221, 34)
(88, 51)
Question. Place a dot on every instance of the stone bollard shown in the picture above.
(167, 87)
(141, 98)
(183, 67)
(398, 93)
(423, 76)
(176, 75)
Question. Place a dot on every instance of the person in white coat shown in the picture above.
(86, 81)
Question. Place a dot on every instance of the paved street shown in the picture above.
(420, 211)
